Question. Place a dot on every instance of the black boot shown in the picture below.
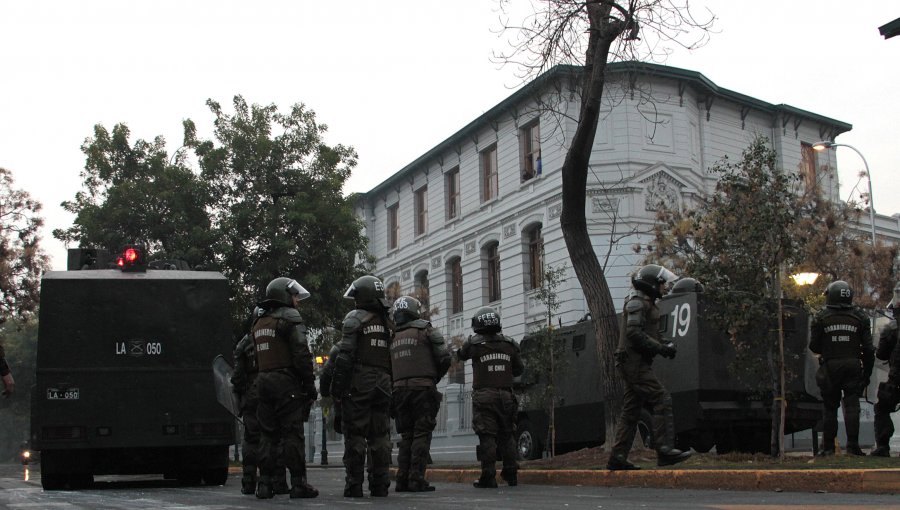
(854, 449)
(881, 451)
(264, 488)
(248, 480)
(353, 491)
(619, 462)
(668, 456)
(378, 491)
(401, 485)
(487, 481)
(300, 488)
(280, 485)
(420, 486)
(511, 477)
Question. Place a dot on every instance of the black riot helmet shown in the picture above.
(838, 294)
(281, 290)
(650, 277)
(486, 320)
(406, 309)
(368, 292)
(685, 285)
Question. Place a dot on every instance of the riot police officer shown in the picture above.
(244, 383)
(362, 382)
(419, 359)
(841, 336)
(9, 384)
(286, 386)
(495, 361)
(639, 343)
(888, 391)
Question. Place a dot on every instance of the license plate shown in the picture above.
(57, 394)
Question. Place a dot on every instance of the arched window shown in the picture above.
(454, 285)
(534, 257)
(420, 292)
(490, 255)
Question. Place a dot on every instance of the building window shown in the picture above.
(420, 292)
(492, 272)
(530, 143)
(452, 187)
(489, 174)
(421, 210)
(808, 165)
(454, 268)
(393, 225)
(535, 262)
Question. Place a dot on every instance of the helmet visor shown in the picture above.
(666, 276)
(297, 290)
(351, 292)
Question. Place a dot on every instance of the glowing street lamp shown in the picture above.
(820, 146)
(804, 279)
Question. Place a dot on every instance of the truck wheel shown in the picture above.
(529, 445)
(215, 476)
(53, 481)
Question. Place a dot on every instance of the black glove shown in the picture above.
(668, 350)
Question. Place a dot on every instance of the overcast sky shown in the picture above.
(391, 78)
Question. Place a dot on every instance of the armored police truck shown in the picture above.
(712, 405)
(123, 377)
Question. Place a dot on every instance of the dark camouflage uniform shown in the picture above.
(888, 391)
(843, 339)
(419, 359)
(244, 383)
(286, 385)
(366, 402)
(638, 345)
(495, 361)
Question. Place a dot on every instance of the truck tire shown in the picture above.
(216, 476)
(528, 442)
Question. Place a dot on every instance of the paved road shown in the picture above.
(120, 493)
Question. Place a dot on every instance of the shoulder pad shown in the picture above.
(287, 313)
(419, 323)
(359, 315)
(861, 315)
(509, 339)
(476, 339)
(634, 305)
(434, 335)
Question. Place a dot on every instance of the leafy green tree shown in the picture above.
(132, 193)
(543, 354)
(266, 202)
(21, 258)
(279, 208)
(20, 343)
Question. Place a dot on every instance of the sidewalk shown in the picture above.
(874, 481)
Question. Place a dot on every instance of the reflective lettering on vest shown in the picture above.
(411, 355)
(843, 338)
(272, 351)
(373, 343)
(492, 364)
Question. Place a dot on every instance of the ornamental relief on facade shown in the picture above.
(604, 205)
(661, 193)
(509, 231)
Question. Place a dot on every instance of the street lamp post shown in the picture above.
(820, 146)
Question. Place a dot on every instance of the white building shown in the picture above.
(467, 219)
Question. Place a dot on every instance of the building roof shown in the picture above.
(693, 78)
(891, 29)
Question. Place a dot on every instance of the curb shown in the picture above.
(870, 481)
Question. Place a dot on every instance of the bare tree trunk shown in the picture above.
(573, 221)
